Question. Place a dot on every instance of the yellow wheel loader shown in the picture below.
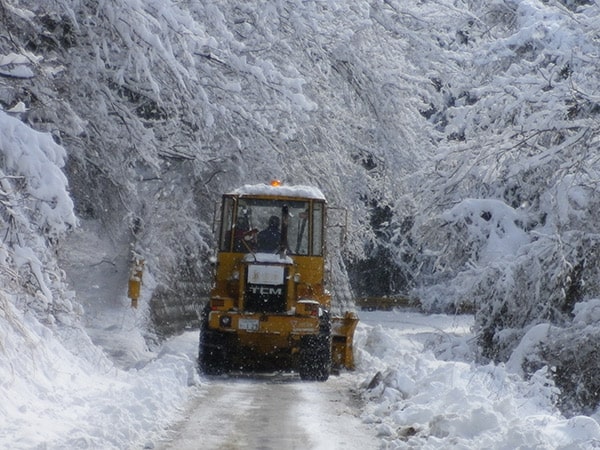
(269, 308)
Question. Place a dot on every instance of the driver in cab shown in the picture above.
(268, 239)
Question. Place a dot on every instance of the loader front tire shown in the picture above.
(211, 354)
(212, 348)
(315, 357)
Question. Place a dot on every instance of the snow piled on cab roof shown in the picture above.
(283, 191)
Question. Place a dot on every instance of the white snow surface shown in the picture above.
(432, 395)
(492, 223)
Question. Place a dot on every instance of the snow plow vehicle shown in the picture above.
(269, 308)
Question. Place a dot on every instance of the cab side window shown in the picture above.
(317, 232)
(226, 225)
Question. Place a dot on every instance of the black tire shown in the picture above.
(211, 354)
(315, 353)
(315, 358)
(211, 351)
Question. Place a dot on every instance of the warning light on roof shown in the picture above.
(276, 183)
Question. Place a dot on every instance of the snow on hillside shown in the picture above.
(58, 389)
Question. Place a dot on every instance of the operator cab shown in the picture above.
(254, 224)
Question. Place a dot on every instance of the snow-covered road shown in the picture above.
(272, 411)
(417, 385)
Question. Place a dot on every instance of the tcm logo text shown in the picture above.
(266, 290)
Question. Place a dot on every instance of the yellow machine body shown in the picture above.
(269, 307)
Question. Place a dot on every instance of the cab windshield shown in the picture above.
(256, 225)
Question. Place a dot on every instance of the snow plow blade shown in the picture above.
(342, 353)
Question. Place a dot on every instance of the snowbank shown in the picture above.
(419, 400)
(53, 398)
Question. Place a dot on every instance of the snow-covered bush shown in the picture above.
(36, 212)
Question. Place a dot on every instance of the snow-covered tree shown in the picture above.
(509, 213)
(163, 106)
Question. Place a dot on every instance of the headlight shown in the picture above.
(225, 321)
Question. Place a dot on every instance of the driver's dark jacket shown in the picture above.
(268, 240)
